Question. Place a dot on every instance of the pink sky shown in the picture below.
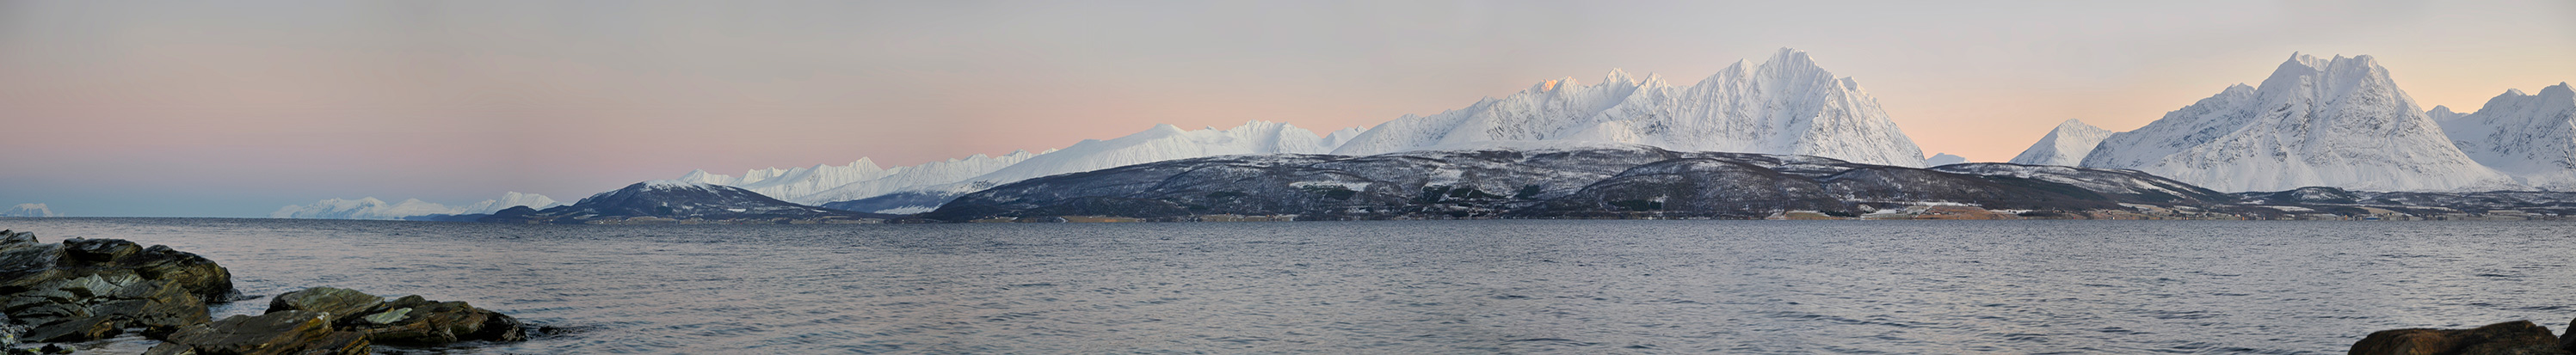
(235, 109)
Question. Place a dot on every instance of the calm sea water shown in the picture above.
(1418, 287)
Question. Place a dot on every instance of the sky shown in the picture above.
(235, 108)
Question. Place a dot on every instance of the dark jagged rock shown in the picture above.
(281, 332)
(339, 302)
(2567, 340)
(2509, 338)
(674, 202)
(409, 320)
(413, 320)
(84, 289)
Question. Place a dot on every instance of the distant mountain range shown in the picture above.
(676, 202)
(29, 210)
(925, 186)
(2338, 122)
(2529, 137)
(2316, 122)
(1558, 180)
(1787, 105)
(372, 208)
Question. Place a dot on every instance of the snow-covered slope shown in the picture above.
(372, 208)
(824, 183)
(1786, 105)
(932, 173)
(2530, 137)
(30, 210)
(1163, 142)
(2314, 122)
(2065, 146)
(2442, 114)
(1944, 159)
(795, 181)
(860, 180)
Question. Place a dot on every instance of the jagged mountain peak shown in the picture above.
(2073, 123)
(1617, 76)
(1787, 58)
(2557, 92)
(2529, 137)
(2337, 122)
(2065, 145)
(1786, 105)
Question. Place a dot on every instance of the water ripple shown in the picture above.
(1756, 287)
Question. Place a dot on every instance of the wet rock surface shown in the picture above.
(285, 332)
(2509, 338)
(410, 320)
(87, 289)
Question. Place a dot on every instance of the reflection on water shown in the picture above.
(1421, 287)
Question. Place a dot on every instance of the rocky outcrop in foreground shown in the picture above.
(90, 289)
(341, 321)
(87, 289)
(2509, 338)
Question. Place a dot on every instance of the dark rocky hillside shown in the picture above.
(673, 202)
(2464, 204)
(1608, 181)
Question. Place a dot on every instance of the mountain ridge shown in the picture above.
(2531, 137)
(1786, 105)
(2065, 145)
(2339, 122)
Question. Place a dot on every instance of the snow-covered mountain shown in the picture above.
(30, 210)
(2530, 137)
(372, 208)
(1786, 105)
(800, 181)
(2315, 122)
(2441, 114)
(862, 180)
(1165, 142)
(1944, 159)
(1160, 143)
(2064, 146)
